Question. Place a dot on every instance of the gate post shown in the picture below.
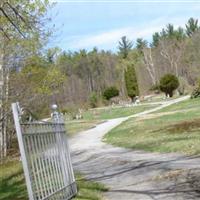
(16, 115)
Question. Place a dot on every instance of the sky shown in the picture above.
(84, 24)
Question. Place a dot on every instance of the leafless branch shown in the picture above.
(18, 14)
(10, 20)
(5, 34)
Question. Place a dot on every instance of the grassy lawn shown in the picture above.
(93, 117)
(115, 112)
(159, 98)
(76, 126)
(187, 104)
(177, 132)
(12, 184)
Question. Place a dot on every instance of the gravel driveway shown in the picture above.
(135, 174)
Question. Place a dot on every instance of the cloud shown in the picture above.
(106, 24)
(111, 37)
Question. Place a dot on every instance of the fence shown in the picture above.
(45, 157)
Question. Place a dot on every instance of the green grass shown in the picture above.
(178, 132)
(187, 104)
(89, 189)
(91, 118)
(111, 113)
(12, 184)
(76, 126)
(160, 98)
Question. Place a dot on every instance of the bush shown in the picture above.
(195, 93)
(93, 100)
(110, 92)
(169, 83)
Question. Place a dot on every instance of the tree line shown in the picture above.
(74, 78)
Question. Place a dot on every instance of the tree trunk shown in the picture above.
(149, 64)
(171, 94)
(2, 109)
(4, 84)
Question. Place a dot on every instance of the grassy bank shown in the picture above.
(184, 105)
(115, 112)
(12, 184)
(162, 132)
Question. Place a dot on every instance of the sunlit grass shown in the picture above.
(177, 132)
(13, 187)
(12, 183)
(115, 112)
(187, 104)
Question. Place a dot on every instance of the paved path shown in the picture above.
(135, 174)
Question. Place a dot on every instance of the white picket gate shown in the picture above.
(45, 157)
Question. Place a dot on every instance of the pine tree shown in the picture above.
(125, 46)
(191, 26)
(131, 82)
(170, 30)
(141, 44)
(155, 38)
(180, 34)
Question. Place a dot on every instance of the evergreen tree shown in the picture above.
(191, 26)
(110, 92)
(163, 33)
(179, 33)
(169, 83)
(156, 38)
(141, 44)
(170, 30)
(125, 46)
(131, 82)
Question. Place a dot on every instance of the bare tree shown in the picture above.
(172, 50)
(149, 64)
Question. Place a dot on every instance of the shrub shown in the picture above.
(93, 100)
(169, 83)
(196, 91)
(110, 92)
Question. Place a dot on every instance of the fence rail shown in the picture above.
(45, 158)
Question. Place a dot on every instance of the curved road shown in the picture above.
(135, 174)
